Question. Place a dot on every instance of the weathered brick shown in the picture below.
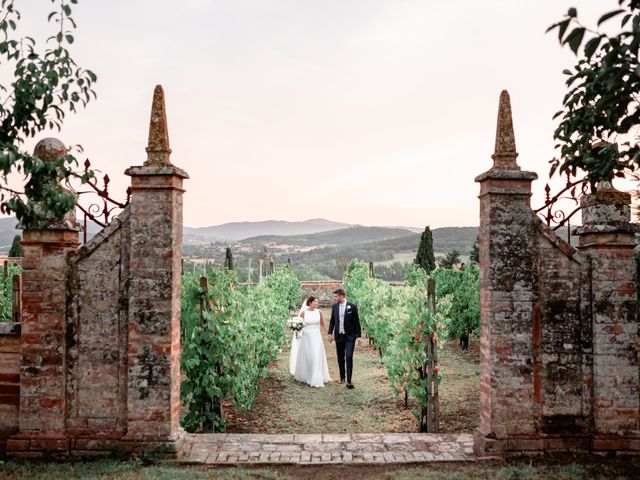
(558, 328)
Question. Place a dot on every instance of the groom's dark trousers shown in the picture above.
(345, 345)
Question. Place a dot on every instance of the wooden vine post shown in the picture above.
(430, 415)
(16, 305)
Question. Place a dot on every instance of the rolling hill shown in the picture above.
(344, 236)
(240, 230)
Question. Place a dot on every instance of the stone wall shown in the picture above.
(99, 359)
(322, 290)
(98, 306)
(559, 355)
(9, 380)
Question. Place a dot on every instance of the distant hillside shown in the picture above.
(448, 238)
(345, 236)
(7, 232)
(240, 230)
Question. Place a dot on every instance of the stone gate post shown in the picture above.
(506, 293)
(607, 237)
(43, 336)
(153, 393)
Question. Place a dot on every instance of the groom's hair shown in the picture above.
(310, 300)
(340, 291)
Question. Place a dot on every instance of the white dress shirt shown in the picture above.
(341, 309)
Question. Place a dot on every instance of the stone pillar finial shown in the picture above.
(505, 154)
(158, 150)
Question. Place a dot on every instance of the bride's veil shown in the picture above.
(304, 306)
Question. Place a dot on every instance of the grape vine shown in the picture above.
(227, 348)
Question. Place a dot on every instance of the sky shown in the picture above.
(373, 112)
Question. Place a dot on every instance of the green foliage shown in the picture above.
(44, 87)
(415, 275)
(597, 124)
(474, 256)
(6, 292)
(462, 288)
(16, 247)
(400, 322)
(228, 259)
(227, 351)
(451, 259)
(425, 257)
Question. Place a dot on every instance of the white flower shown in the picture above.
(296, 324)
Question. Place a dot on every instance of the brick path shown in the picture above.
(311, 449)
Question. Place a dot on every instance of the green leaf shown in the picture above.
(574, 39)
(591, 46)
(609, 15)
(562, 29)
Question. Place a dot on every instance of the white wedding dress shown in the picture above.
(311, 364)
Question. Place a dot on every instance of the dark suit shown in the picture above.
(345, 342)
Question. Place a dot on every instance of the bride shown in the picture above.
(310, 365)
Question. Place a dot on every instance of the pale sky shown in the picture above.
(375, 112)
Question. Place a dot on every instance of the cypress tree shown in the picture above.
(425, 257)
(16, 248)
(474, 256)
(228, 259)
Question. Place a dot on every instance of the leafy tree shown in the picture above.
(462, 289)
(600, 114)
(44, 87)
(425, 257)
(6, 292)
(474, 256)
(228, 259)
(16, 247)
(451, 259)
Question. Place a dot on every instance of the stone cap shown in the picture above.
(499, 174)
(158, 150)
(606, 210)
(613, 228)
(504, 155)
(160, 169)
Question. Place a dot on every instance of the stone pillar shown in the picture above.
(42, 421)
(507, 248)
(153, 393)
(607, 237)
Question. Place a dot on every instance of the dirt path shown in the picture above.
(287, 406)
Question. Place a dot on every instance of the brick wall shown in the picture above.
(322, 290)
(99, 360)
(97, 312)
(559, 359)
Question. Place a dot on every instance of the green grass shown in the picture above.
(111, 469)
(287, 406)
(554, 469)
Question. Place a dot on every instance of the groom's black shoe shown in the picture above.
(349, 385)
(341, 381)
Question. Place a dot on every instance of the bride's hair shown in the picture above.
(310, 300)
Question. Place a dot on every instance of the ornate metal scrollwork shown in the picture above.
(556, 217)
(100, 210)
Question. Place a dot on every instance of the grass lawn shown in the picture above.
(558, 469)
(287, 406)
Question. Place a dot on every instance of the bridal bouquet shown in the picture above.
(296, 324)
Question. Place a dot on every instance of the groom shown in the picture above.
(345, 323)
